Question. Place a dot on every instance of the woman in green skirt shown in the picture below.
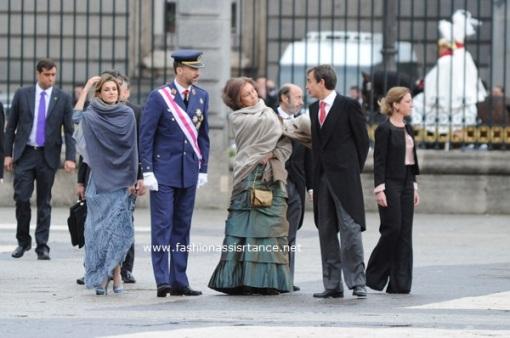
(255, 250)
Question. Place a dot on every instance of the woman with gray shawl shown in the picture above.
(254, 256)
(106, 138)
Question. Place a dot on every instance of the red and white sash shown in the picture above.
(183, 120)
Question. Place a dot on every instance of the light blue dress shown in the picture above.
(109, 232)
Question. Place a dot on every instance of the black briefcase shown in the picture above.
(76, 223)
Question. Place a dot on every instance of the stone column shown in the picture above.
(205, 25)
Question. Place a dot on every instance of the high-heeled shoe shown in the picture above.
(102, 291)
(118, 289)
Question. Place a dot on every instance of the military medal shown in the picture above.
(173, 91)
(193, 91)
(198, 118)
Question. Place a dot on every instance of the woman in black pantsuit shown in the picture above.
(395, 170)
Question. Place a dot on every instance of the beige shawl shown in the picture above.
(258, 132)
(299, 129)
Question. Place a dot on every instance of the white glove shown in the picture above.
(150, 181)
(202, 179)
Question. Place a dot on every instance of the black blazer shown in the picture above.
(339, 151)
(299, 169)
(390, 152)
(58, 117)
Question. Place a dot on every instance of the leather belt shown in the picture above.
(34, 147)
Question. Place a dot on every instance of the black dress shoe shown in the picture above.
(329, 294)
(80, 281)
(163, 290)
(295, 288)
(360, 291)
(128, 278)
(20, 250)
(186, 291)
(43, 255)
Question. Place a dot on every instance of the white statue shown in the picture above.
(452, 87)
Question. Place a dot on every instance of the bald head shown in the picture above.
(290, 97)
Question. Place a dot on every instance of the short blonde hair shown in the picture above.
(394, 95)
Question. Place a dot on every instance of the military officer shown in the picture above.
(174, 150)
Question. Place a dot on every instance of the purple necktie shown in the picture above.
(41, 121)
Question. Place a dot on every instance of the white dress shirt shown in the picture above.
(181, 89)
(284, 115)
(38, 90)
(328, 100)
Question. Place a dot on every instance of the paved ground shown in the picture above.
(461, 288)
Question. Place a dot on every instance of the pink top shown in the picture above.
(409, 150)
(409, 160)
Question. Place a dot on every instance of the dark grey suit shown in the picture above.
(39, 164)
(339, 150)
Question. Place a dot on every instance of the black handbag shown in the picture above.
(76, 222)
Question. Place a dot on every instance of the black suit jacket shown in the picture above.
(2, 125)
(389, 153)
(339, 151)
(299, 168)
(58, 117)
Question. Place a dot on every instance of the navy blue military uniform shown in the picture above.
(165, 151)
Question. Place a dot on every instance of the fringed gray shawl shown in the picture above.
(109, 136)
(258, 132)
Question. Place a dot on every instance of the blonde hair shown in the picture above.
(394, 95)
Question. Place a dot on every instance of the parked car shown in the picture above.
(350, 52)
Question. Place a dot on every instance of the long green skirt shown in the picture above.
(255, 252)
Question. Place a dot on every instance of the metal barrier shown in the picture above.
(390, 41)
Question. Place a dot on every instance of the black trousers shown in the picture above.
(129, 261)
(294, 211)
(392, 257)
(29, 168)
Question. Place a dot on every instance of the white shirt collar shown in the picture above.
(330, 99)
(180, 88)
(38, 91)
(283, 114)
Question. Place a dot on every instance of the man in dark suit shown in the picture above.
(339, 150)
(174, 150)
(127, 266)
(33, 142)
(298, 168)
